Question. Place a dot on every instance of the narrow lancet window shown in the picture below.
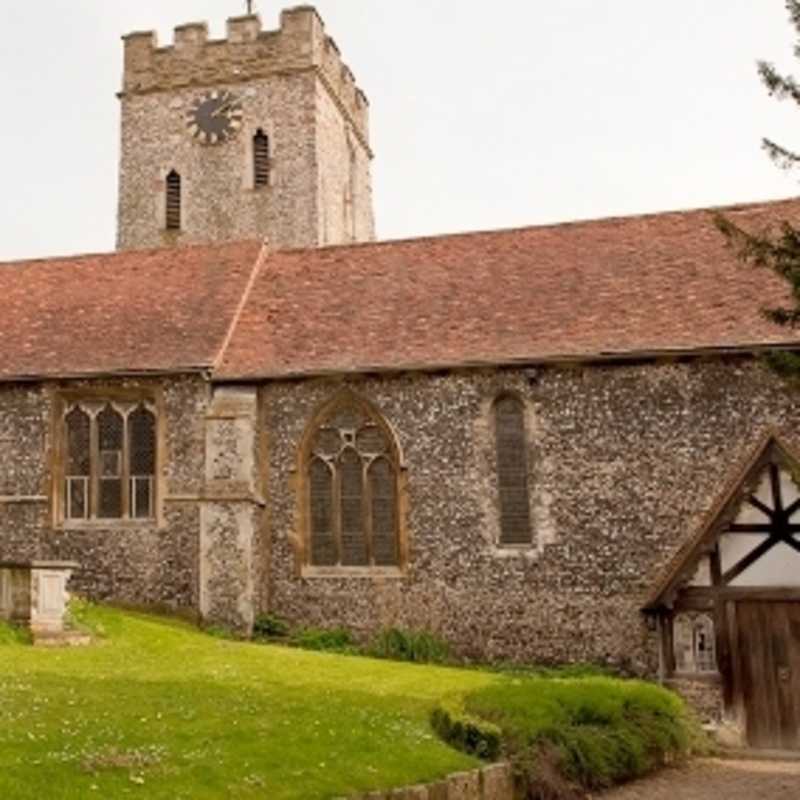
(261, 163)
(512, 472)
(173, 201)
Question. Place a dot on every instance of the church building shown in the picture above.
(551, 444)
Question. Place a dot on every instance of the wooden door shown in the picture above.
(768, 674)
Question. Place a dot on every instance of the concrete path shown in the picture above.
(718, 780)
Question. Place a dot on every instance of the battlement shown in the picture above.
(247, 53)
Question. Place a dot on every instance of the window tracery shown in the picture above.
(352, 476)
(109, 461)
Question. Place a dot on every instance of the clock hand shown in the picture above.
(223, 107)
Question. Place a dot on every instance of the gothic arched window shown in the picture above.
(173, 197)
(351, 474)
(110, 455)
(261, 159)
(512, 471)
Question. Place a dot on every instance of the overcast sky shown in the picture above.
(484, 115)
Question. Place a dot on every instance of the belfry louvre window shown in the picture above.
(352, 493)
(261, 159)
(109, 461)
(512, 471)
(173, 189)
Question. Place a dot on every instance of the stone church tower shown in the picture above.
(263, 134)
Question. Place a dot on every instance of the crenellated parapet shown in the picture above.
(247, 53)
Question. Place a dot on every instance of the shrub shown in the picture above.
(420, 647)
(268, 626)
(469, 734)
(587, 733)
(337, 640)
(221, 632)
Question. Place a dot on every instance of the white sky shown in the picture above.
(484, 115)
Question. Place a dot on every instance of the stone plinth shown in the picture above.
(34, 594)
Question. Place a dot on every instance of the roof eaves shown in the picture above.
(610, 356)
(98, 374)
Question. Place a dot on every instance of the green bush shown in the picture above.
(464, 732)
(589, 733)
(420, 647)
(268, 626)
(336, 640)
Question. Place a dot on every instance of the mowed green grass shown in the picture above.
(159, 710)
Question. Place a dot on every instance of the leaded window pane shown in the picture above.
(110, 436)
(77, 497)
(328, 442)
(354, 540)
(347, 419)
(384, 513)
(142, 446)
(109, 501)
(371, 440)
(78, 464)
(512, 472)
(141, 495)
(323, 545)
(78, 442)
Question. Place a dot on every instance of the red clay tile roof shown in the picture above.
(616, 287)
(663, 283)
(134, 312)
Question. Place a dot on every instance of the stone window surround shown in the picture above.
(303, 567)
(62, 399)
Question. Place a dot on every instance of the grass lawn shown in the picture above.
(159, 710)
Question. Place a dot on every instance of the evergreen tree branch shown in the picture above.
(778, 253)
(781, 86)
(783, 158)
(793, 7)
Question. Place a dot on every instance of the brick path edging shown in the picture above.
(495, 782)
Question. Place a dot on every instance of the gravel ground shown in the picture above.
(718, 780)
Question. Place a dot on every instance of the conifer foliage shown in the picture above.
(779, 250)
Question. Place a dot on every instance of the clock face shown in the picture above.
(215, 117)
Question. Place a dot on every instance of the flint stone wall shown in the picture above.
(704, 695)
(137, 564)
(625, 461)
